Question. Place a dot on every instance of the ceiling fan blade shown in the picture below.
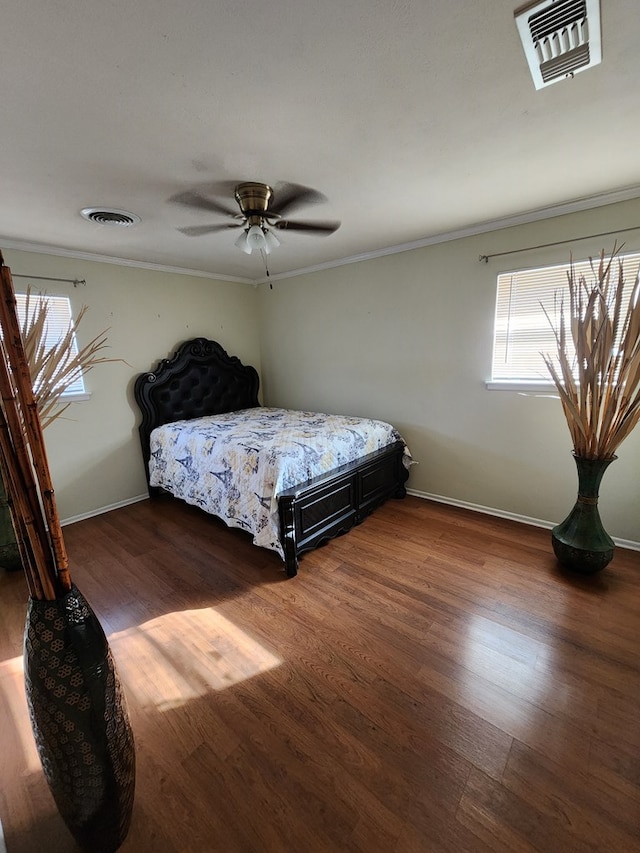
(319, 228)
(289, 197)
(193, 199)
(199, 230)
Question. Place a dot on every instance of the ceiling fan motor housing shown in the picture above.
(253, 199)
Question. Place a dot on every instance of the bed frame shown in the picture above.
(202, 379)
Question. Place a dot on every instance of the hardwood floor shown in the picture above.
(429, 682)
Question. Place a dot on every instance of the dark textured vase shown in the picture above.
(580, 542)
(80, 721)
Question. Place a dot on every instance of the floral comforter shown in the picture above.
(234, 465)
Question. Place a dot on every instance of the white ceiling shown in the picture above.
(413, 118)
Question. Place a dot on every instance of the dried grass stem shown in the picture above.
(599, 387)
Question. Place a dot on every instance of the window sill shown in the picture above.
(520, 385)
(75, 397)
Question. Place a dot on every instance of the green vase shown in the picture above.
(580, 542)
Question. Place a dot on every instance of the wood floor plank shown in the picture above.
(504, 820)
(588, 809)
(508, 712)
(431, 682)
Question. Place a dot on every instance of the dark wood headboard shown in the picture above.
(199, 379)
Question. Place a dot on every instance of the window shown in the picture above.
(522, 330)
(59, 319)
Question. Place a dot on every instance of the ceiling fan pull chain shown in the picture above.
(266, 268)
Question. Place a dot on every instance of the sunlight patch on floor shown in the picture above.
(180, 656)
(15, 714)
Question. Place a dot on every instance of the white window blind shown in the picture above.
(522, 330)
(59, 319)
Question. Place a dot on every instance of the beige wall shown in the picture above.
(408, 338)
(94, 455)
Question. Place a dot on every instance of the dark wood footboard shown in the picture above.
(329, 505)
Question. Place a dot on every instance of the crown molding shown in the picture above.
(42, 249)
(575, 206)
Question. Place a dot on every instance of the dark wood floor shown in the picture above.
(429, 682)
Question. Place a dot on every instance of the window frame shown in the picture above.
(544, 384)
(78, 391)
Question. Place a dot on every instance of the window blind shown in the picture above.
(522, 330)
(59, 319)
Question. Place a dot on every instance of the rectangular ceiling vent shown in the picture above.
(560, 38)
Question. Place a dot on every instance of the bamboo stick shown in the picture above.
(21, 486)
(38, 563)
(31, 423)
(26, 557)
(15, 430)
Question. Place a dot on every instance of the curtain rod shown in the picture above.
(74, 281)
(485, 258)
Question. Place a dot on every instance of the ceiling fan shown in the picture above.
(261, 213)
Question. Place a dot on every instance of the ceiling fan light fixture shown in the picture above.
(259, 238)
(242, 244)
(271, 240)
(256, 238)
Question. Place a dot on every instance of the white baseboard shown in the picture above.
(101, 510)
(512, 516)
(486, 510)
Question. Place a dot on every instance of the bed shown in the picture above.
(207, 440)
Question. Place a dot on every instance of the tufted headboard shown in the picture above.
(199, 379)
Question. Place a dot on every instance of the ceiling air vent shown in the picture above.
(110, 216)
(560, 38)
